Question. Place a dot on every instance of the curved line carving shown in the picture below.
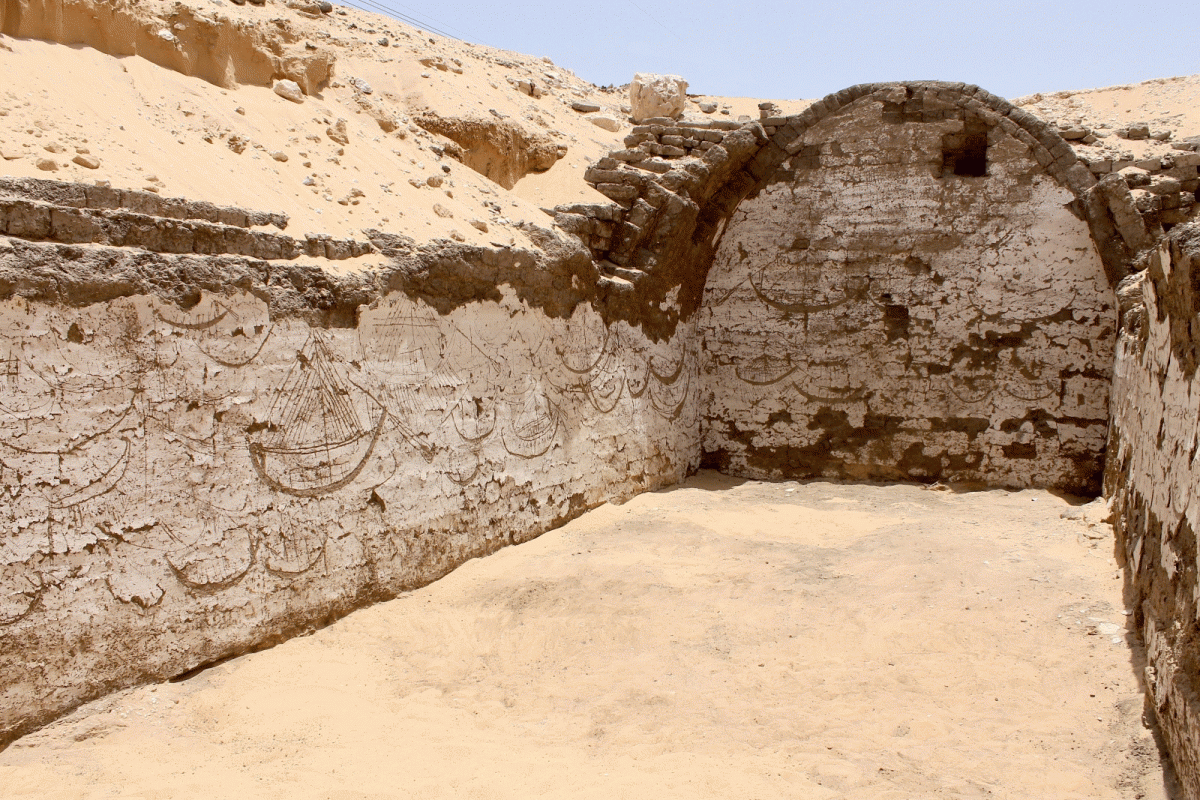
(848, 395)
(78, 444)
(1008, 315)
(258, 457)
(643, 380)
(851, 294)
(666, 378)
(475, 432)
(533, 431)
(196, 578)
(764, 371)
(107, 482)
(194, 326)
(1030, 390)
(236, 364)
(672, 412)
(974, 394)
(32, 595)
(596, 397)
(461, 481)
(604, 352)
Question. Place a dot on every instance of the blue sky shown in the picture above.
(796, 50)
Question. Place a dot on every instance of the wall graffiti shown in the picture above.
(876, 318)
(191, 461)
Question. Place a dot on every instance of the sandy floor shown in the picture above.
(723, 639)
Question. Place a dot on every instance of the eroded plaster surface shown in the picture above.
(1153, 480)
(872, 314)
(179, 486)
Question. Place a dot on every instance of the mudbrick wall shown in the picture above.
(203, 454)
(214, 436)
(909, 296)
(1153, 479)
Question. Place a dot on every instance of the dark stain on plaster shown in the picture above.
(895, 322)
(844, 450)
(779, 418)
(1025, 450)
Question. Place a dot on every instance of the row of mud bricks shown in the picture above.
(70, 213)
(1164, 188)
(81, 195)
(648, 202)
(673, 173)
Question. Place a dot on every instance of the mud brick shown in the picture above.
(103, 197)
(629, 156)
(640, 214)
(617, 191)
(655, 165)
(1079, 178)
(27, 220)
(597, 175)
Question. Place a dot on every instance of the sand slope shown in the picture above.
(397, 88)
(722, 639)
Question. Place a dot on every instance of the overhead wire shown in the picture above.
(412, 20)
(445, 25)
(657, 21)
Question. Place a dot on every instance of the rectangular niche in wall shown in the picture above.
(965, 153)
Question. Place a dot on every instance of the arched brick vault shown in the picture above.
(656, 242)
(1005, 396)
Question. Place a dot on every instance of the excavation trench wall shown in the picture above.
(1153, 478)
(212, 439)
(201, 455)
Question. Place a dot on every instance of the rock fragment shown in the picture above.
(289, 90)
(605, 121)
(652, 95)
(337, 132)
(1136, 130)
(307, 6)
(1072, 132)
(585, 107)
(86, 161)
(47, 164)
